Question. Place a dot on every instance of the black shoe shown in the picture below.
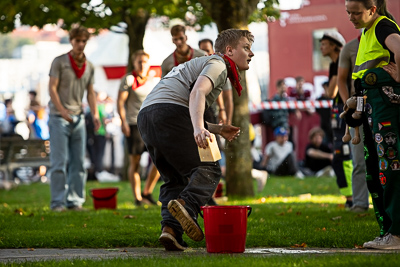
(149, 198)
(348, 204)
(138, 203)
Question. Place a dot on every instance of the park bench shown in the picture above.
(16, 152)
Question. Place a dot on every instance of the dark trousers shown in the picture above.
(342, 162)
(287, 167)
(96, 146)
(167, 131)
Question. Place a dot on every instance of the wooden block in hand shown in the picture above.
(211, 153)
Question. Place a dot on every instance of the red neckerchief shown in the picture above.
(189, 57)
(136, 84)
(233, 73)
(78, 71)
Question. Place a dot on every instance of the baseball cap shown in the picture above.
(280, 131)
(335, 37)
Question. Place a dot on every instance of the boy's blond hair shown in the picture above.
(231, 37)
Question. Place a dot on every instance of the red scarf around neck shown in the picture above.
(139, 81)
(78, 71)
(186, 57)
(233, 73)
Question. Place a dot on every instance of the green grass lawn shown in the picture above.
(288, 213)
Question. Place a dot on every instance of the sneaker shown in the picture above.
(325, 172)
(388, 241)
(138, 203)
(358, 209)
(299, 175)
(77, 208)
(261, 177)
(105, 177)
(348, 204)
(369, 244)
(58, 209)
(170, 242)
(189, 224)
(149, 198)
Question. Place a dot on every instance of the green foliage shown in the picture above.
(101, 15)
(9, 44)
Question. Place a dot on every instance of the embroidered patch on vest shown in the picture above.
(382, 178)
(383, 164)
(395, 165)
(380, 150)
(385, 125)
(371, 78)
(378, 138)
(391, 153)
(390, 138)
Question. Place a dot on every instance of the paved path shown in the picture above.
(40, 254)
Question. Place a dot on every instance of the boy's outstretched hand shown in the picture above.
(229, 132)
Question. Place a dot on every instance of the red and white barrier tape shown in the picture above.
(291, 105)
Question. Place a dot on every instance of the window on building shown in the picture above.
(320, 63)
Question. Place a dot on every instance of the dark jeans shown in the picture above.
(287, 167)
(167, 131)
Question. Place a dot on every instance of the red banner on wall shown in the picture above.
(116, 72)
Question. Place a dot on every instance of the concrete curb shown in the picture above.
(43, 254)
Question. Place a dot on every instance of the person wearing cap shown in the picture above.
(331, 45)
(278, 156)
(377, 68)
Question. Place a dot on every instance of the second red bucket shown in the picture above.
(225, 228)
(104, 198)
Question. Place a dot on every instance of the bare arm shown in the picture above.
(228, 102)
(202, 87)
(91, 98)
(55, 99)
(393, 43)
(122, 97)
(342, 83)
(315, 153)
(332, 88)
(222, 112)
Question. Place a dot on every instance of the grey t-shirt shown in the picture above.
(136, 96)
(70, 88)
(175, 87)
(347, 60)
(169, 62)
(277, 153)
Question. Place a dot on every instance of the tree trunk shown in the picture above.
(239, 162)
(135, 30)
(235, 14)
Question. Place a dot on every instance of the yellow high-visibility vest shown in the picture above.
(371, 53)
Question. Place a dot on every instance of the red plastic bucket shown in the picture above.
(104, 198)
(225, 228)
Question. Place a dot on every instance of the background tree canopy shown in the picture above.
(102, 14)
